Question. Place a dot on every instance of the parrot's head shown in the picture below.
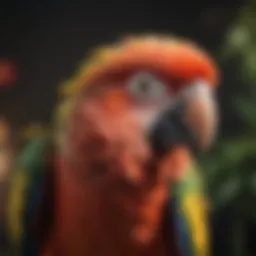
(148, 96)
(137, 113)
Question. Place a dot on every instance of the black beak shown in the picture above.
(191, 121)
(171, 130)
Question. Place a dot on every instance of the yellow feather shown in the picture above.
(195, 208)
(32, 130)
(16, 206)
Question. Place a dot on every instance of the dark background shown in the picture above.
(48, 39)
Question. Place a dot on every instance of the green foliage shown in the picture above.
(231, 166)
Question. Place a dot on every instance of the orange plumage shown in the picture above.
(110, 202)
(186, 63)
(113, 171)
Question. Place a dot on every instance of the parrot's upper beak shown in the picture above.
(190, 121)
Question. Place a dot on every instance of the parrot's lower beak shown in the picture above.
(191, 121)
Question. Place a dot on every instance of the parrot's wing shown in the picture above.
(188, 202)
(190, 211)
(26, 192)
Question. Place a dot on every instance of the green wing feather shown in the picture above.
(29, 167)
(191, 213)
(188, 195)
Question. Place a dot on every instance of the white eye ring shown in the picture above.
(146, 87)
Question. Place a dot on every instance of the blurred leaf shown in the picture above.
(230, 153)
(237, 39)
(249, 63)
(252, 184)
(227, 192)
(246, 110)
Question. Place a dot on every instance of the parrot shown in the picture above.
(117, 174)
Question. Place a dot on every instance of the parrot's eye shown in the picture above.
(146, 87)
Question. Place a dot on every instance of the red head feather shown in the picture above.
(173, 59)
